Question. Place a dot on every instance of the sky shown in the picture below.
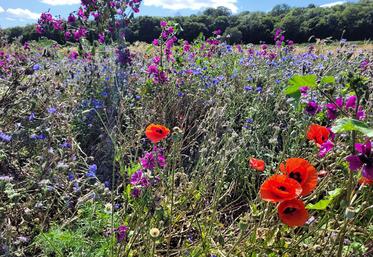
(22, 12)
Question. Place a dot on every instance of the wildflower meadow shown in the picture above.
(180, 148)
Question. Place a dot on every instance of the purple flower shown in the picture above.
(364, 159)
(71, 18)
(248, 88)
(136, 192)
(121, 233)
(364, 65)
(325, 148)
(312, 108)
(144, 182)
(136, 177)
(148, 161)
(304, 90)
(101, 38)
(360, 115)
(351, 102)
(163, 24)
(156, 42)
(5, 137)
(92, 171)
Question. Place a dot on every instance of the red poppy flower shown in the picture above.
(302, 171)
(278, 188)
(257, 164)
(293, 213)
(318, 133)
(156, 133)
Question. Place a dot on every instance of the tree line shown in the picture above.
(351, 21)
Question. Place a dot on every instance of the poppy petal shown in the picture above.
(293, 213)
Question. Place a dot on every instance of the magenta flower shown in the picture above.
(67, 35)
(217, 32)
(304, 90)
(364, 159)
(360, 115)
(136, 192)
(156, 42)
(152, 69)
(121, 233)
(163, 24)
(149, 161)
(101, 38)
(332, 109)
(136, 177)
(325, 148)
(71, 18)
(312, 108)
(351, 102)
(73, 55)
(157, 60)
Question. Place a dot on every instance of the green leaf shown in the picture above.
(328, 80)
(346, 124)
(132, 169)
(298, 81)
(324, 203)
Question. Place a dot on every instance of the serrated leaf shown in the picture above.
(324, 203)
(346, 125)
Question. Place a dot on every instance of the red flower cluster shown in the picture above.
(299, 178)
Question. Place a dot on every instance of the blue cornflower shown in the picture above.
(38, 137)
(31, 117)
(259, 89)
(5, 137)
(36, 67)
(65, 145)
(51, 110)
(92, 171)
(248, 88)
(76, 187)
(97, 104)
(70, 176)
